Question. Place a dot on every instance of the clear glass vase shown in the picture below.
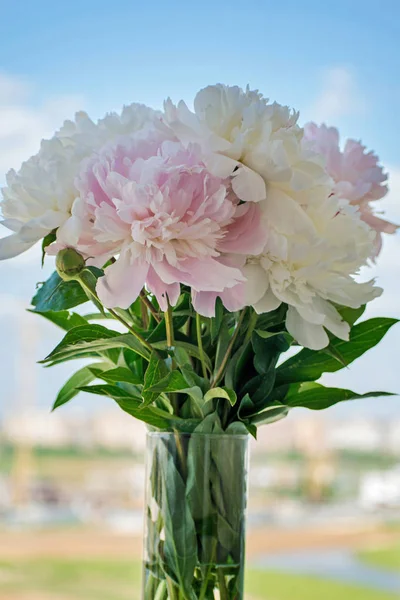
(195, 522)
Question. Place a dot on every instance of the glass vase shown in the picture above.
(195, 521)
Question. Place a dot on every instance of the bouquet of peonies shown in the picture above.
(218, 238)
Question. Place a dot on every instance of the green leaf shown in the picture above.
(210, 424)
(334, 353)
(221, 392)
(88, 280)
(93, 338)
(224, 339)
(83, 334)
(270, 415)
(151, 415)
(268, 348)
(175, 382)
(246, 408)
(229, 492)
(237, 428)
(155, 372)
(240, 367)
(216, 321)
(72, 387)
(318, 397)
(309, 365)
(62, 318)
(180, 546)
(193, 379)
(191, 349)
(118, 375)
(182, 358)
(159, 333)
(97, 316)
(47, 240)
(350, 315)
(56, 294)
(198, 488)
(259, 388)
(112, 391)
(266, 335)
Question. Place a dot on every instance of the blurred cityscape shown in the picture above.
(90, 467)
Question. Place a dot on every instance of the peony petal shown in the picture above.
(12, 224)
(286, 215)
(268, 303)
(12, 246)
(160, 289)
(220, 165)
(380, 225)
(233, 299)
(207, 275)
(248, 185)
(70, 232)
(204, 303)
(122, 281)
(248, 233)
(306, 334)
(256, 284)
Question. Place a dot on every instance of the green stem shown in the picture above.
(204, 585)
(150, 306)
(200, 345)
(161, 591)
(181, 454)
(251, 326)
(223, 592)
(90, 288)
(151, 586)
(130, 328)
(172, 591)
(145, 315)
(220, 373)
(169, 326)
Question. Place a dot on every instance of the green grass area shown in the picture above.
(366, 460)
(386, 558)
(282, 586)
(6, 457)
(67, 465)
(120, 580)
(73, 579)
(359, 460)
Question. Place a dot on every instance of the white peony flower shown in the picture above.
(38, 198)
(243, 136)
(315, 245)
(312, 269)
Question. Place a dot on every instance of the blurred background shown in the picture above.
(324, 515)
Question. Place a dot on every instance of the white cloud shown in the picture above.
(339, 96)
(23, 123)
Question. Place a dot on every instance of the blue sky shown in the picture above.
(335, 61)
(111, 54)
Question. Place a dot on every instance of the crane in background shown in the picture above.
(23, 398)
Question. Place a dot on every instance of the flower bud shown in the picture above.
(69, 264)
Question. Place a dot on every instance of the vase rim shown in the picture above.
(160, 434)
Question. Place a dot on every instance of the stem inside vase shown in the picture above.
(196, 497)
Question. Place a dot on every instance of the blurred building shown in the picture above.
(113, 430)
(117, 430)
(358, 434)
(380, 489)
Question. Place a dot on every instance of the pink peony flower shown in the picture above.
(356, 173)
(153, 203)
